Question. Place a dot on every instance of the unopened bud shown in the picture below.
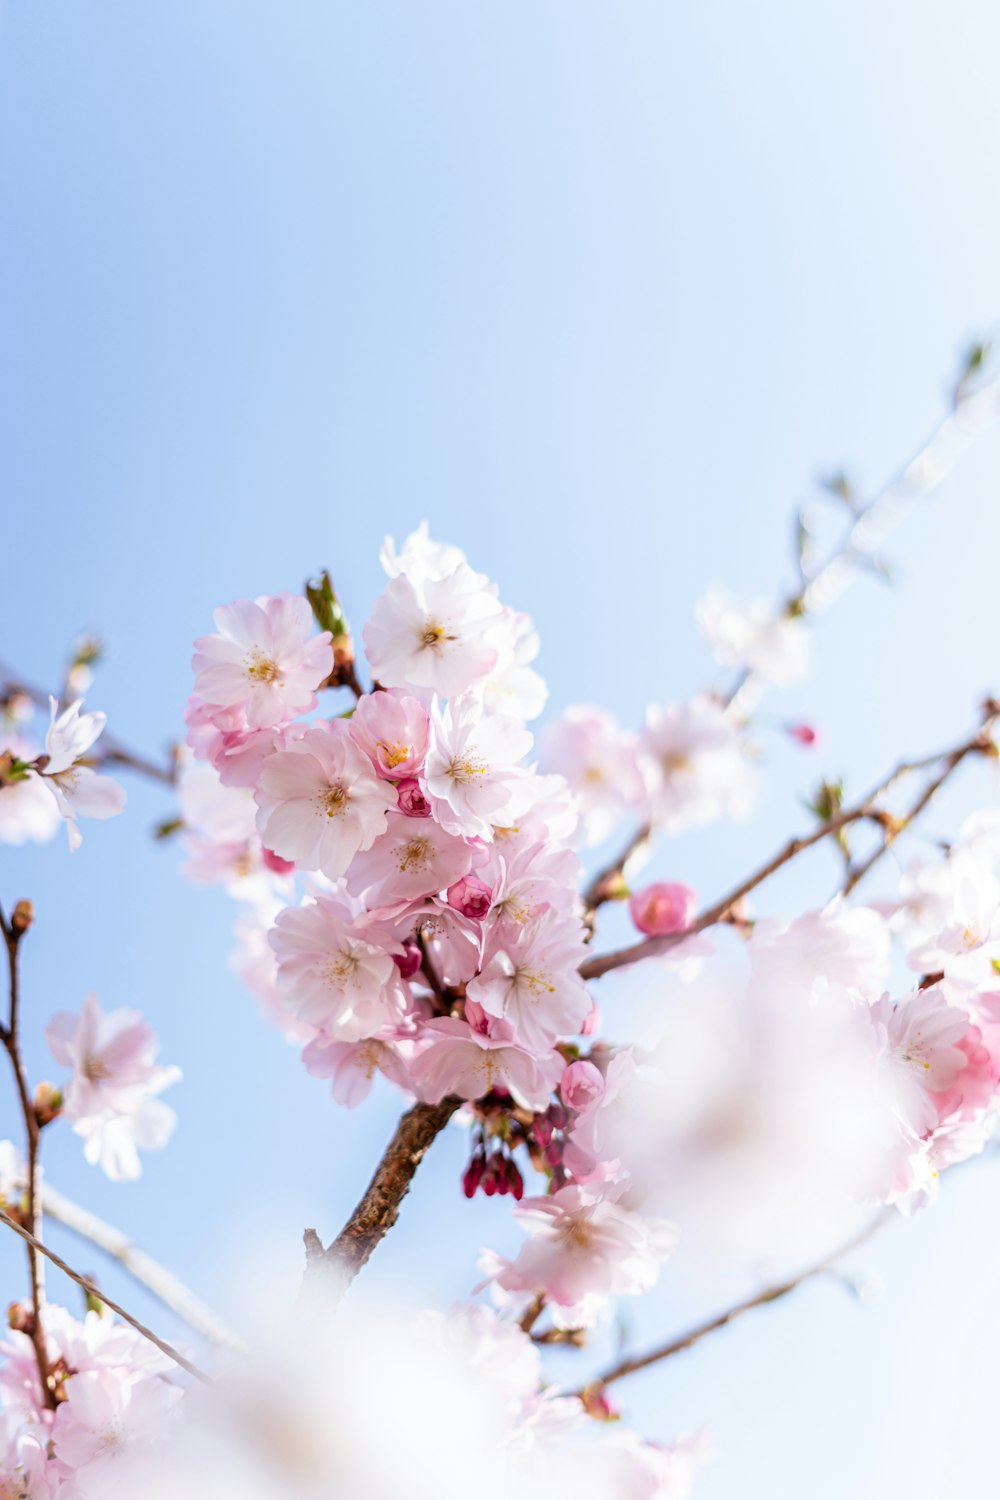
(471, 896)
(20, 1317)
(411, 799)
(48, 1103)
(597, 1404)
(408, 962)
(473, 1174)
(22, 917)
(804, 734)
(663, 908)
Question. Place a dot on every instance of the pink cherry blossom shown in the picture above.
(528, 879)
(77, 789)
(584, 1243)
(434, 633)
(106, 1421)
(320, 801)
(472, 1060)
(581, 1086)
(662, 908)
(530, 977)
(410, 860)
(352, 1066)
(695, 766)
(264, 659)
(335, 971)
(393, 730)
(923, 1036)
(111, 1099)
(472, 772)
(598, 760)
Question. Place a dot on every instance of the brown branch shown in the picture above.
(13, 931)
(378, 1209)
(825, 1267)
(607, 883)
(100, 1296)
(865, 810)
(533, 1312)
(896, 826)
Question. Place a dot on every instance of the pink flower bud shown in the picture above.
(473, 1174)
(411, 799)
(409, 961)
(664, 907)
(515, 1181)
(470, 896)
(580, 1085)
(804, 734)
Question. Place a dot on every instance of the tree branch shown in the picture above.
(113, 751)
(379, 1207)
(825, 1267)
(163, 1284)
(99, 1296)
(13, 931)
(973, 410)
(867, 809)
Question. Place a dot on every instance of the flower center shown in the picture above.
(434, 636)
(674, 762)
(393, 755)
(333, 801)
(536, 984)
(465, 768)
(415, 854)
(95, 1069)
(262, 669)
(339, 970)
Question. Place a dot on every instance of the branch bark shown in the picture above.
(10, 1036)
(378, 1209)
(866, 809)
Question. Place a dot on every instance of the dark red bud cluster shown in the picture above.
(496, 1173)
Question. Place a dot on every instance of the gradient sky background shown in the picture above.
(599, 290)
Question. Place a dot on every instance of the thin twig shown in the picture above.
(163, 1284)
(606, 884)
(10, 1037)
(825, 1267)
(113, 750)
(100, 1296)
(973, 411)
(866, 809)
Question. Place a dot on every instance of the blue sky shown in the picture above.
(599, 290)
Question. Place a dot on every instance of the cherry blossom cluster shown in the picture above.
(412, 905)
(439, 933)
(112, 1401)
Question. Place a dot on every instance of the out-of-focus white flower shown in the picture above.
(755, 636)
